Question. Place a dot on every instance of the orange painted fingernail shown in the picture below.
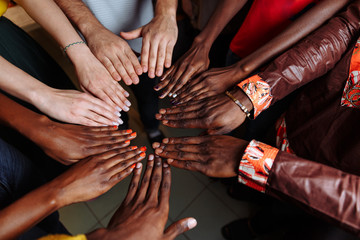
(142, 154)
(143, 149)
(133, 147)
(127, 141)
(133, 134)
(129, 131)
(133, 166)
(115, 127)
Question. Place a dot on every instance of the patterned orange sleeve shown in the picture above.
(259, 93)
(256, 164)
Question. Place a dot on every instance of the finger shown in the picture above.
(141, 193)
(180, 227)
(169, 53)
(167, 73)
(145, 54)
(125, 164)
(108, 130)
(109, 109)
(188, 123)
(135, 62)
(187, 165)
(165, 188)
(174, 78)
(102, 141)
(132, 34)
(134, 184)
(119, 65)
(180, 116)
(130, 68)
(121, 174)
(161, 85)
(156, 176)
(186, 140)
(100, 110)
(183, 80)
(153, 57)
(179, 155)
(111, 68)
(121, 93)
(116, 97)
(160, 59)
(116, 155)
(186, 107)
(194, 148)
(100, 119)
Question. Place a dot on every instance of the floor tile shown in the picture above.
(102, 205)
(240, 208)
(202, 178)
(77, 218)
(184, 188)
(211, 214)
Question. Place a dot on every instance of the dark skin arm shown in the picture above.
(214, 156)
(144, 212)
(218, 114)
(86, 180)
(217, 80)
(196, 59)
(64, 142)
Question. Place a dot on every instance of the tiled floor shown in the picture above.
(193, 195)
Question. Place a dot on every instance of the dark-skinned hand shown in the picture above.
(193, 62)
(210, 83)
(95, 175)
(214, 156)
(144, 212)
(68, 143)
(218, 114)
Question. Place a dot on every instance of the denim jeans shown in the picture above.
(18, 176)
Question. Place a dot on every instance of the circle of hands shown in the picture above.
(198, 102)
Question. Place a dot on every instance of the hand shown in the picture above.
(218, 114)
(144, 212)
(211, 83)
(69, 143)
(76, 107)
(214, 156)
(94, 78)
(95, 175)
(159, 38)
(116, 55)
(192, 63)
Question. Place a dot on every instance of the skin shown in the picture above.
(204, 154)
(218, 114)
(92, 75)
(63, 142)
(86, 180)
(210, 81)
(144, 212)
(196, 59)
(159, 37)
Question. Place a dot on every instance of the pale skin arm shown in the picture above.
(159, 38)
(196, 59)
(217, 80)
(92, 75)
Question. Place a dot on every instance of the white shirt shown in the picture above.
(122, 15)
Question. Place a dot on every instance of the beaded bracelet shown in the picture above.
(71, 44)
(242, 107)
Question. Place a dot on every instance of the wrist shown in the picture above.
(242, 97)
(203, 41)
(164, 8)
(78, 53)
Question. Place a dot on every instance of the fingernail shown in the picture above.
(126, 108)
(156, 88)
(129, 131)
(159, 73)
(165, 121)
(144, 69)
(138, 165)
(191, 223)
(118, 109)
(158, 151)
(127, 141)
(165, 140)
(133, 166)
(151, 157)
(118, 113)
(143, 149)
(133, 147)
(115, 124)
(126, 94)
(170, 94)
(133, 134)
(120, 121)
(165, 165)
(175, 95)
(162, 111)
(170, 160)
(115, 127)
(142, 154)
(128, 103)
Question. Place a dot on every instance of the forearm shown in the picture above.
(28, 211)
(224, 12)
(302, 27)
(325, 191)
(80, 15)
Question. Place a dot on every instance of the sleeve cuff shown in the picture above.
(259, 93)
(256, 164)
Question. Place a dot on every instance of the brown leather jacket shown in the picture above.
(319, 128)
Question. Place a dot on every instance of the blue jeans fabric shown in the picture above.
(18, 176)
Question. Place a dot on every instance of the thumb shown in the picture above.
(132, 34)
(179, 227)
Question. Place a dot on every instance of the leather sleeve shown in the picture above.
(324, 191)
